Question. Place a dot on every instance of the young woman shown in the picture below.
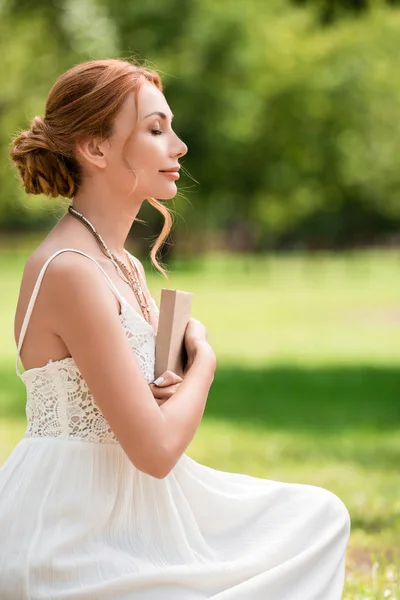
(99, 500)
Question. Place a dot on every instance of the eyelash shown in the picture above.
(156, 131)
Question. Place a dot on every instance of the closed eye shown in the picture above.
(156, 132)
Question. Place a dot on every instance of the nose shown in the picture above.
(182, 148)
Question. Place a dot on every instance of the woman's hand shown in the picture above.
(166, 388)
(195, 337)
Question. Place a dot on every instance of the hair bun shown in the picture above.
(42, 169)
(37, 126)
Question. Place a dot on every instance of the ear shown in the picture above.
(93, 151)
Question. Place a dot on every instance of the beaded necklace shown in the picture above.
(130, 276)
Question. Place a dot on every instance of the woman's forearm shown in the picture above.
(184, 410)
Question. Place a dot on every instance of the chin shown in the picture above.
(166, 196)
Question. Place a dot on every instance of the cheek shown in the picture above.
(145, 155)
(143, 151)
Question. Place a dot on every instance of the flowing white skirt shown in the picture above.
(78, 521)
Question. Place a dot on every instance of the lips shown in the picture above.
(171, 170)
(171, 174)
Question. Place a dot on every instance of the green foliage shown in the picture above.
(329, 131)
(329, 11)
(292, 129)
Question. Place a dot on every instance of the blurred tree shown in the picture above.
(292, 129)
(330, 10)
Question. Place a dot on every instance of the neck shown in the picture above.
(111, 220)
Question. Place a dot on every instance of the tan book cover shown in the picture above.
(175, 309)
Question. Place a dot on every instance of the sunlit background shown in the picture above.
(287, 229)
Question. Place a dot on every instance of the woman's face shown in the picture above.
(152, 148)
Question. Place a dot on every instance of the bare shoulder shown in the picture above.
(69, 277)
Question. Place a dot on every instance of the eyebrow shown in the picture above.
(160, 114)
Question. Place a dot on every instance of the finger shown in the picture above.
(164, 392)
(167, 378)
(155, 391)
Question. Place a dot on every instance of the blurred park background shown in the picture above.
(287, 229)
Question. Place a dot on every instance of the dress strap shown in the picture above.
(36, 290)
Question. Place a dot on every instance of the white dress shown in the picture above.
(79, 521)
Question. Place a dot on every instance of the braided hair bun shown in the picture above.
(42, 169)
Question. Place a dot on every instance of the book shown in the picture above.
(174, 315)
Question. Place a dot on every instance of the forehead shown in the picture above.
(150, 99)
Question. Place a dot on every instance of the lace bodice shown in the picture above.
(59, 402)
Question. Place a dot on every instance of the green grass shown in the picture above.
(306, 389)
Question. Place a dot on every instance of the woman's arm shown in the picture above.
(184, 410)
(82, 310)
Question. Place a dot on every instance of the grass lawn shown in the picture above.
(306, 389)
